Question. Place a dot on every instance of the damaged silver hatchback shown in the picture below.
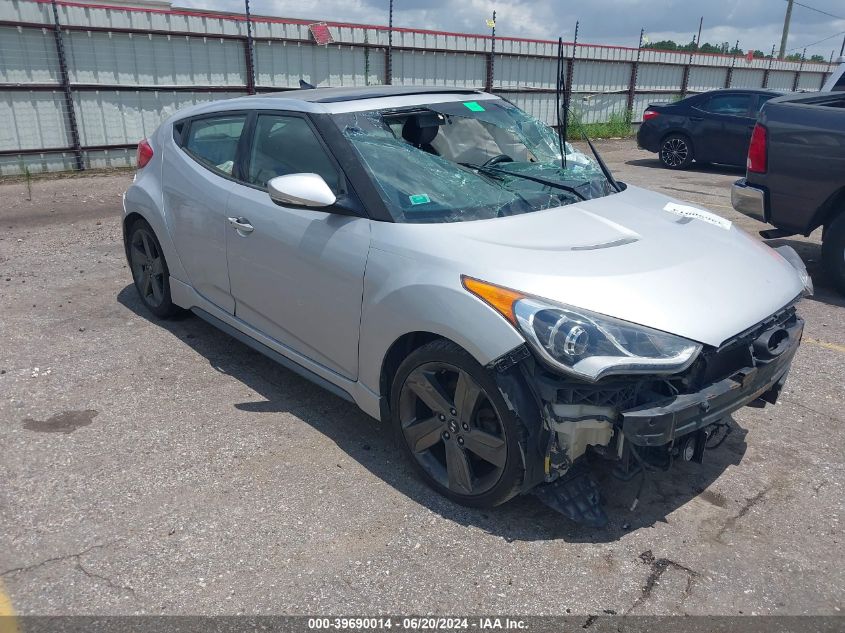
(445, 261)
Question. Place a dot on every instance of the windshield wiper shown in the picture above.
(542, 181)
(495, 176)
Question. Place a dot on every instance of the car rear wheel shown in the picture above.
(676, 151)
(454, 426)
(149, 269)
(833, 252)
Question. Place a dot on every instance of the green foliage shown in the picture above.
(725, 48)
(27, 178)
(617, 126)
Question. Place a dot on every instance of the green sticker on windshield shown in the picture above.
(419, 198)
(474, 106)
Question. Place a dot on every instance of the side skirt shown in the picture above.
(272, 354)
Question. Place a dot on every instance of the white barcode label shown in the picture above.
(697, 214)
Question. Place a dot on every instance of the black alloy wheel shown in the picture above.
(676, 152)
(462, 439)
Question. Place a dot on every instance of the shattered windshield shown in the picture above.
(474, 160)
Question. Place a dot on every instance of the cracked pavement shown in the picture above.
(152, 467)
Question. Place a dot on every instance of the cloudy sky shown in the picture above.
(755, 23)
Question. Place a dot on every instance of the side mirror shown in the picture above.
(304, 190)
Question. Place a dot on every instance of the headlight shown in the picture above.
(586, 344)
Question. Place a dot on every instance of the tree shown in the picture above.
(817, 58)
(662, 45)
(759, 54)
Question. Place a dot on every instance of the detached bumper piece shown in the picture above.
(769, 354)
(576, 496)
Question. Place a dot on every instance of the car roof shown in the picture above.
(336, 95)
(337, 100)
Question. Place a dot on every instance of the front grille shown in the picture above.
(737, 353)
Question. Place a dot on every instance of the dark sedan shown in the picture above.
(712, 127)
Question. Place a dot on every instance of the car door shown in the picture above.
(297, 274)
(725, 128)
(198, 177)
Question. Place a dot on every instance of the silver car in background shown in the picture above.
(443, 260)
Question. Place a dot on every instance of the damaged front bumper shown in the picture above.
(662, 422)
(648, 415)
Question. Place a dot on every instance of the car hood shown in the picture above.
(636, 255)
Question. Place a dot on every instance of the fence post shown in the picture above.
(632, 86)
(491, 59)
(797, 78)
(388, 62)
(768, 70)
(730, 74)
(570, 72)
(687, 68)
(250, 53)
(71, 111)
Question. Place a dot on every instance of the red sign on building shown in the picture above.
(321, 34)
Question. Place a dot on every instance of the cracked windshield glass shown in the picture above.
(472, 160)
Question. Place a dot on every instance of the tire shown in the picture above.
(449, 438)
(676, 151)
(833, 252)
(149, 269)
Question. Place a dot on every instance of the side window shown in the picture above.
(840, 83)
(733, 104)
(287, 145)
(761, 101)
(213, 141)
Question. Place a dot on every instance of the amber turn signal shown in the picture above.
(501, 299)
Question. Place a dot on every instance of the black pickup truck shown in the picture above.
(795, 178)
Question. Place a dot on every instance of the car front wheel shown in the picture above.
(454, 426)
(676, 151)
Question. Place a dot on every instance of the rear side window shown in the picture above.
(287, 145)
(735, 104)
(213, 141)
(840, 83)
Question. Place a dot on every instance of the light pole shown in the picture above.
(785, 34)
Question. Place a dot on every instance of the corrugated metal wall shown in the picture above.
(129, 68)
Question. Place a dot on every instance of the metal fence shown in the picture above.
(81, 84)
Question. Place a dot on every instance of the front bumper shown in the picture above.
(659, 423)
(749, 200)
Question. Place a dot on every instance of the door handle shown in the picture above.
(242, 225)
(696, 118)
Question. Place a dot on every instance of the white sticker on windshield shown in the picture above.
(697, 214)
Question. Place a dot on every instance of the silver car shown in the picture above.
(443, 260)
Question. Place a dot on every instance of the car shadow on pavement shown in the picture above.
(703, 168)
(369, 443)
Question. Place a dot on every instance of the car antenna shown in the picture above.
(304, 85)
(562, 110)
